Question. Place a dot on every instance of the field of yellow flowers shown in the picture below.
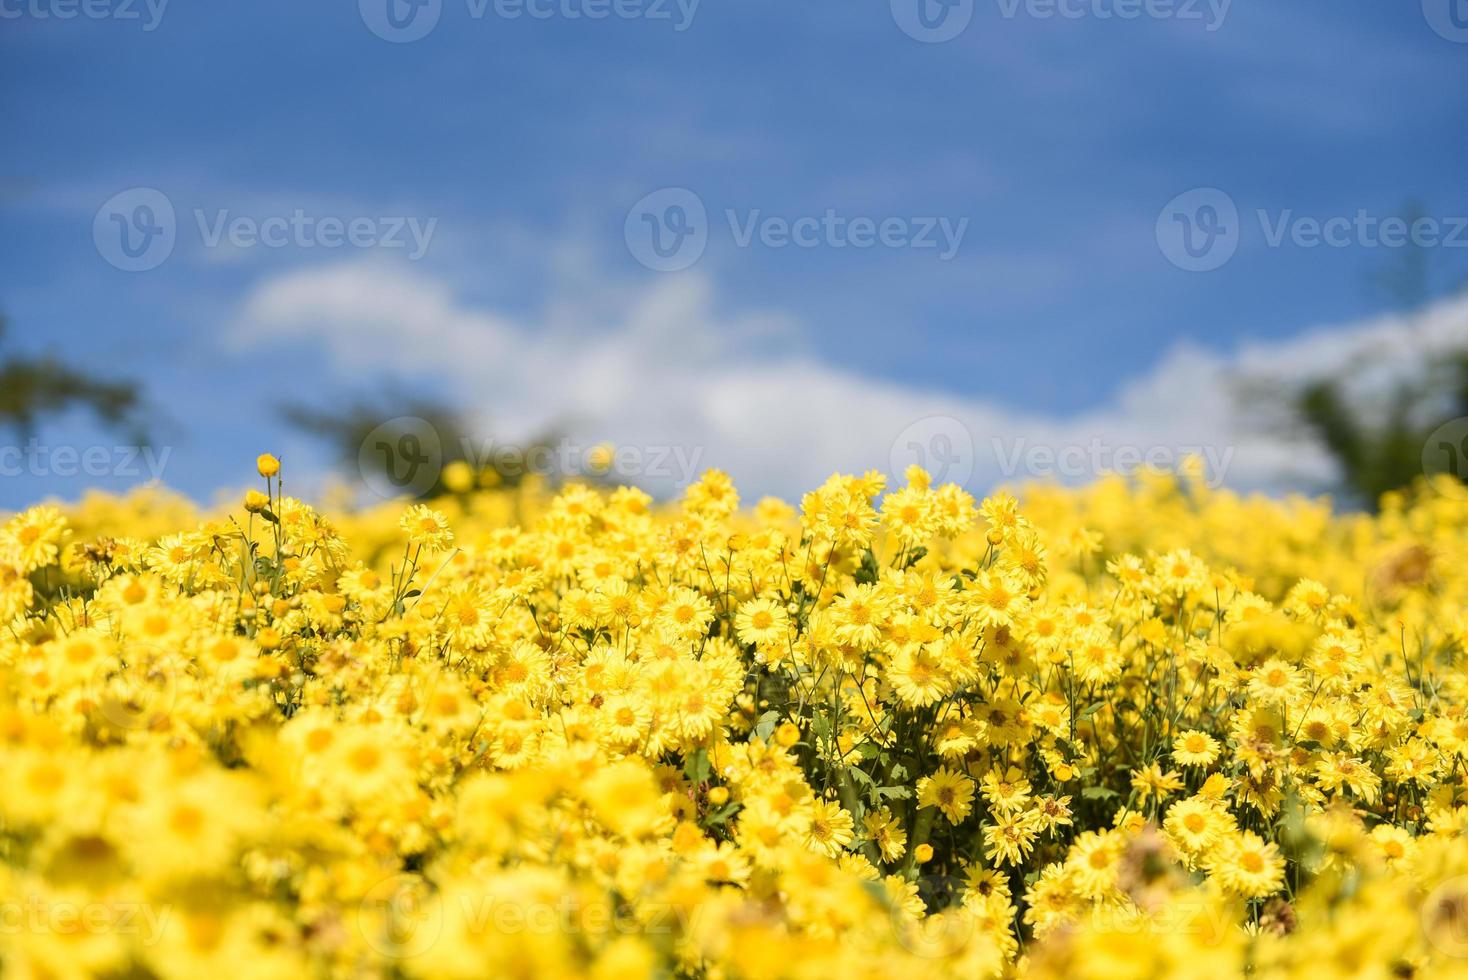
(1140, 729)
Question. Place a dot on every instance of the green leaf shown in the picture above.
(765, 726)
(696, 767)
(820, 726)
(869, 571)
(720, 816)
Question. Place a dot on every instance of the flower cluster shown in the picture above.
(1140, 729)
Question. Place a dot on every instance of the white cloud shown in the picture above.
(661, 367)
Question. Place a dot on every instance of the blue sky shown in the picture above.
(1054, 142)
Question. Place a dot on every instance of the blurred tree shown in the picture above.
(1376, 445)
(32, 388)
(1377, 456)
(381, 441)
(1406, 279)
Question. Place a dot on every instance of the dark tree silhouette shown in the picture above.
(1375, 457)
(32, 388)
(347, 430)
(1377, 446)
